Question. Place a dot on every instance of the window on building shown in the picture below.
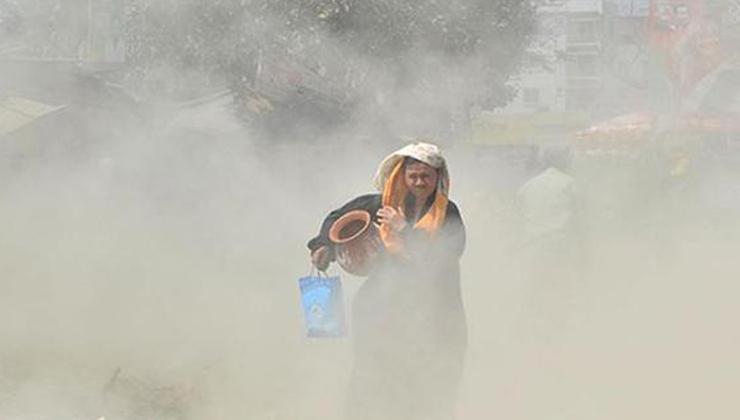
(582, 66)
(583, 31)
(580, 99)
(531, 97)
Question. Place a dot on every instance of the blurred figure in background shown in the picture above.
(551, 237)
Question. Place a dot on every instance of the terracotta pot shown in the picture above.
(356, 242)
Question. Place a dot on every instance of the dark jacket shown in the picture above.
(408, 321)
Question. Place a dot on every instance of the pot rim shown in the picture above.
(345, 219)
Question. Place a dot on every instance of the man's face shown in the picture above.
(421, 180)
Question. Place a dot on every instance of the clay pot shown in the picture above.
(356, 241)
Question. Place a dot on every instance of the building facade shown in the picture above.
(589, 62)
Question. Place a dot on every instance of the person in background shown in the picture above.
(408, 320)
(551, 239)
(548, 202)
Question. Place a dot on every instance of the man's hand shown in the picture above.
(320, 258)
(394, 218)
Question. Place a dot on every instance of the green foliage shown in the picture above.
(357, 36)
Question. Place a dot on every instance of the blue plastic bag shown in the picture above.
(323, 305)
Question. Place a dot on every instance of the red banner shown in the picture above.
(669, 23)
(686, 39)
(671, 20)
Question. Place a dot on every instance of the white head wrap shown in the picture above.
(424, 152)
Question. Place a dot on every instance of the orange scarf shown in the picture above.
(394, 195)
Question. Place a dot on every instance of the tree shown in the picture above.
(466, 49)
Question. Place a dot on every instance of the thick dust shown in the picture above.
(153, 275)
(160, 281)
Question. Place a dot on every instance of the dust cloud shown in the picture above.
(152, 273)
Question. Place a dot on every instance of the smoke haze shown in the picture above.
(150, 272)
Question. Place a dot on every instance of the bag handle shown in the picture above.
(315, 271)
